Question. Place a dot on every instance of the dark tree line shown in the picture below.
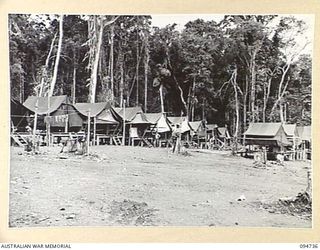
(240, 70)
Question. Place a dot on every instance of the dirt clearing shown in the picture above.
(135, 186)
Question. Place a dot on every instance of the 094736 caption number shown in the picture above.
(309, 246)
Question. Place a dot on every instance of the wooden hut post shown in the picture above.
(206, 135)
(124, 124)
(294, 147)
(94, 130)
(66, 124)
(35, 127)
(88, 134)
(48, 124)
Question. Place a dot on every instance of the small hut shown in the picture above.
(159, 123)
(90, 111)
(293, 137)
(304, 133)
(57, 111)
(159, 130)
(138, 128)
(291, 131)
(198, 132)
(211, 128)
(126, 115)
(272, 136)
(182, 121)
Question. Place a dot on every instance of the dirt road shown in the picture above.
(134, 186)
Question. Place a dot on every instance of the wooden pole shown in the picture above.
(205, 133)
(48, 123)
(88, 134)
(74, 85)
(35, 127)
(161, 99)
(294, 147)
(124, 123)
(94, 130)
(66, 124)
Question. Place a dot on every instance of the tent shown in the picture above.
(306, 138)
(179, 120)
(104, 118)
(59, 109)
(108, 116)
(266, 134)
(159, 122)
(45, 105)
(223, 133)
(304, 133)
(198, 128)
(139, 118)
(291, 131)
(130, 112)
(93, 108)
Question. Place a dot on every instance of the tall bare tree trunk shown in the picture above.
(74, 85)
(253, 85)
(21, 88)
(184, 105)
(235, 87)
(137, 71)
(96, 33)
(146, 69)
(245, 99)
(121, 65)
(112, 62)
(94, 71)
(56, 65)
(281, 92)
(266, 98)
(45, 70)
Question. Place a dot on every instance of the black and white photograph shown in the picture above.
(160, 120)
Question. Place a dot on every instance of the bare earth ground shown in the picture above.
(134, 186)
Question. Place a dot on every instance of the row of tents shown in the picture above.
(107, 121)
(63, 116)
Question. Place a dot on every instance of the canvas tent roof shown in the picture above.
(107, 117)
(176, 119)
(160, 122)
(139, 118)
(162, 125)
(290, 129)
(181, 120)
(94, 108)
(263, 129)
(130, 112)
(272, 134)
(153, 117)
(223, 132)
(304, 133)
(195, 126)
(40, 104)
